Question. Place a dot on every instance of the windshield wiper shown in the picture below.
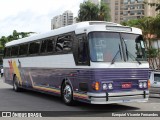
(129, 54)
(113, 60)
(133, 57)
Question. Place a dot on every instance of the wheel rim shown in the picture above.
(67, 93)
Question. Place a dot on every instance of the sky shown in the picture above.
(32, 15)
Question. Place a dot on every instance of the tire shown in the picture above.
(67, 94)
(16, 87)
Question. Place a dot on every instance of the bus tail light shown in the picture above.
(96, 86)
(149, 84)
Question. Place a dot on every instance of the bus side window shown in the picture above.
(82, 51)
(64, 43)
(8, 52)
(23, 49)
(50, 45)
(14, 51)
(43, 46)
(4, 55)
(82, 55)
(34, 47)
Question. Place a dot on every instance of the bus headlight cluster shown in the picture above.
(143, 84)
(107, 86)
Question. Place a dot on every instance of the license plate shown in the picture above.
(126, 85)
(126, 100)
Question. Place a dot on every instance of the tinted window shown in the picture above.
(82, 51)
(50, 45)
(64, 43)
(47, 45)
(23, 49)
(8, 52)
(43, 46)
(14, 51)
(34, 47)
(157, 77)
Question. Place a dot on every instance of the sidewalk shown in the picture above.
(4, 85)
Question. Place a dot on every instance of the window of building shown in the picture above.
(140, 1)
(132, 7)
(116, 8)
(125, 1)
(132, 1)
(132, 13)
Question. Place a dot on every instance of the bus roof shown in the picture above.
(78, 28)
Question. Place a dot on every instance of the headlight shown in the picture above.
(104, 86)
(145, 85)
(110, 86)
(140, 84)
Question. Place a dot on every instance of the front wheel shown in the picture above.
(67, 94)
(15, 85)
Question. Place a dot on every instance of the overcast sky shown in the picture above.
(32, 15)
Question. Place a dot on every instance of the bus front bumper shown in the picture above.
(118, 97)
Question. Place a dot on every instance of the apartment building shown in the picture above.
(62, 20)
(93, 1)
(123, 10)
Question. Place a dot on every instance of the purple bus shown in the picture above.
(95, 62)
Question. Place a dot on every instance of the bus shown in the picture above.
(96, 62)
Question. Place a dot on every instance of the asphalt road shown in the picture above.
(34, 101)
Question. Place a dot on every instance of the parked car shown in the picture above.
(155, 83)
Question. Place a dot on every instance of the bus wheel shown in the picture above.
(15, 84)
(67, 94)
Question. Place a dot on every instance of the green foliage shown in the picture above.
(16, 35)
(104, 12)
(131, 23)
(152, 53)
(91, 12)
(149, 25)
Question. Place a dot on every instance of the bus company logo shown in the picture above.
(6, 114)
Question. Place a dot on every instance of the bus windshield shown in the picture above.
(134, 47)
(104, 46)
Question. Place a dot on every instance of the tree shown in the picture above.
(151, 33)
(91, 12)
(131, 23)
(15, 35)
(25, 34)
(88, 11)
(104, 12)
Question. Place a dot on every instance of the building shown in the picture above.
(62, 20)
(56, 22)
(123, 10)
(94, 1)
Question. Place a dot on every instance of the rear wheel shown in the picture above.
(16, 85)
(67, 94)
